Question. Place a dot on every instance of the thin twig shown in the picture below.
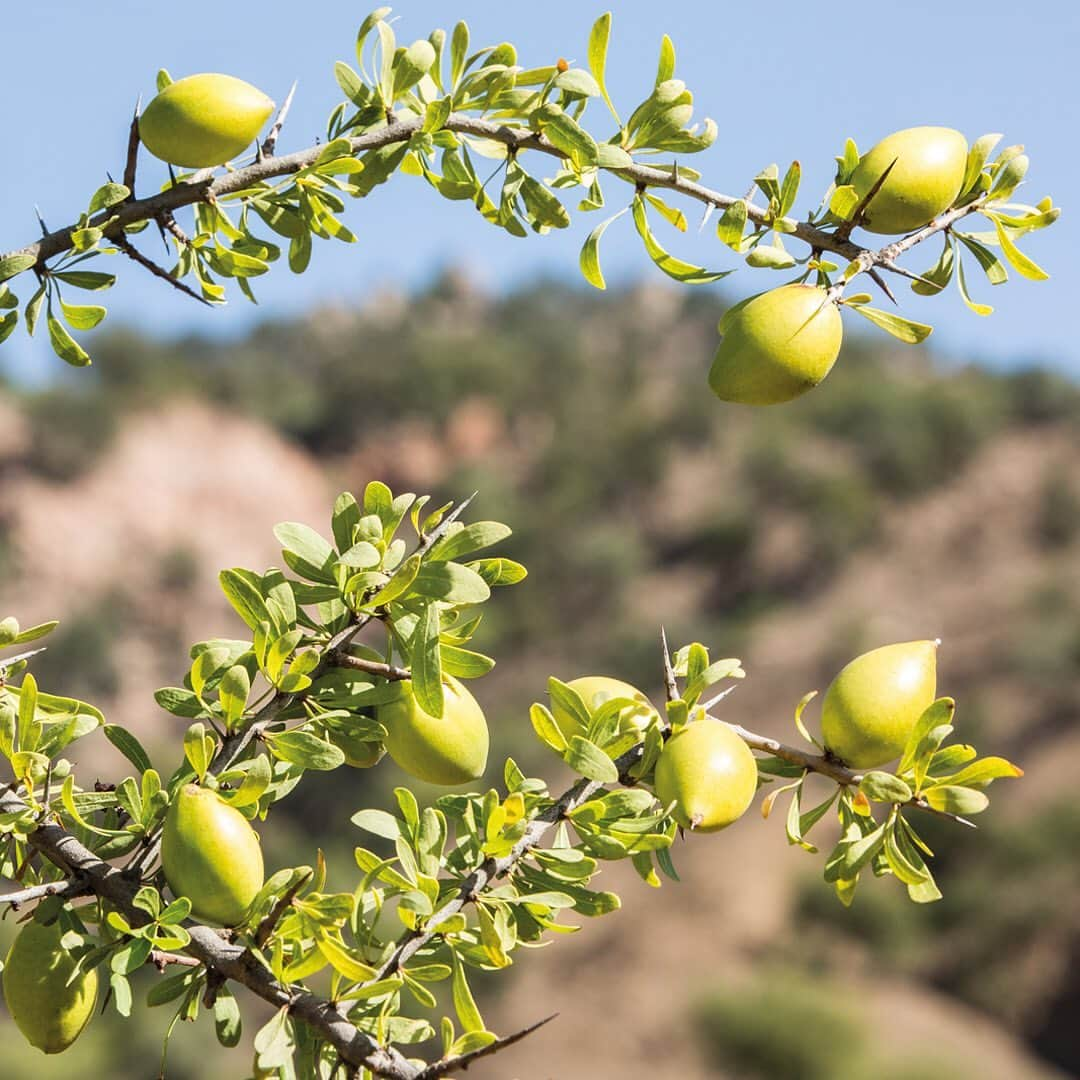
(267, 926)
(132, 252)
(67, 888)
(270, 142)
(372, 667)
(448, 1065)
(161, 960)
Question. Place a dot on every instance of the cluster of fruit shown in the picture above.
(775, 345)
(705, 774)
(781, 343)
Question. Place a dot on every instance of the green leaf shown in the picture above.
(961, 283)
(473, 537)
(732, 224)
(907, 330)
(590, 761)
(306, 750)
(665, 69)
(977, 157)
(993, 267)
(589, 259)
(464, 1004)
(233, 691)
(547, 731)
(464, 663)
(312, 554)
(459, 47)
(11, 265)
(597, 55)
(8, 323)
(107, 195)
(227, 1024)
(451, 583)
(425, 662)
(1024, 266)
(940, 274)
(983, 772)
(843, 202)
(789, 189)
(954, 799)
(884, 787)
(1009, 177)
(246, 600)
(352, 86)
(91, 280)
(82, 316)
(199, 749)
(770, 257)
(564, 133)
(936, 716)
(576, 81)
(437, 113)
(673, 267)
(128, 745)
(64, 345)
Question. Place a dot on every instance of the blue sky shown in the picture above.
(784, 80)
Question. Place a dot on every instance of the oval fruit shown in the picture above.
(451, 749)
(708, 772)
(594, 690)
(924, 182)
(48, 1006)
(776, 346)
(871, 707)
(204, 120)
(211, 855)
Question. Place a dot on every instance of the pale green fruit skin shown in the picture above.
(204, 120)
(594, 690)
(49, 1012)
(924, 182)
(449, 750)
(777, 346)
(211, 855)
(871, 707)
(709, 774)
(359, 754)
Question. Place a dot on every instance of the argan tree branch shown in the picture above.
(158, 207)
(209, 948)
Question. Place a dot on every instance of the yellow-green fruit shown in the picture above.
(211, 855)
(708, 772)
(204, 120)
(924, 182)
(48, 1006)
(594, 690)
(359, 753)
(872, 705)
(776, 346)
(451, 749)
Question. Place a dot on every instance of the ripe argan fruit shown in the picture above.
(708, 772)
(451, 749)
(594, 690)
(776, 346)
(49, 1003)
(211, 855)
(204, 120)
(924, 182)
(872, 705)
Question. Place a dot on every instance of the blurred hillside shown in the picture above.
(899, 500)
